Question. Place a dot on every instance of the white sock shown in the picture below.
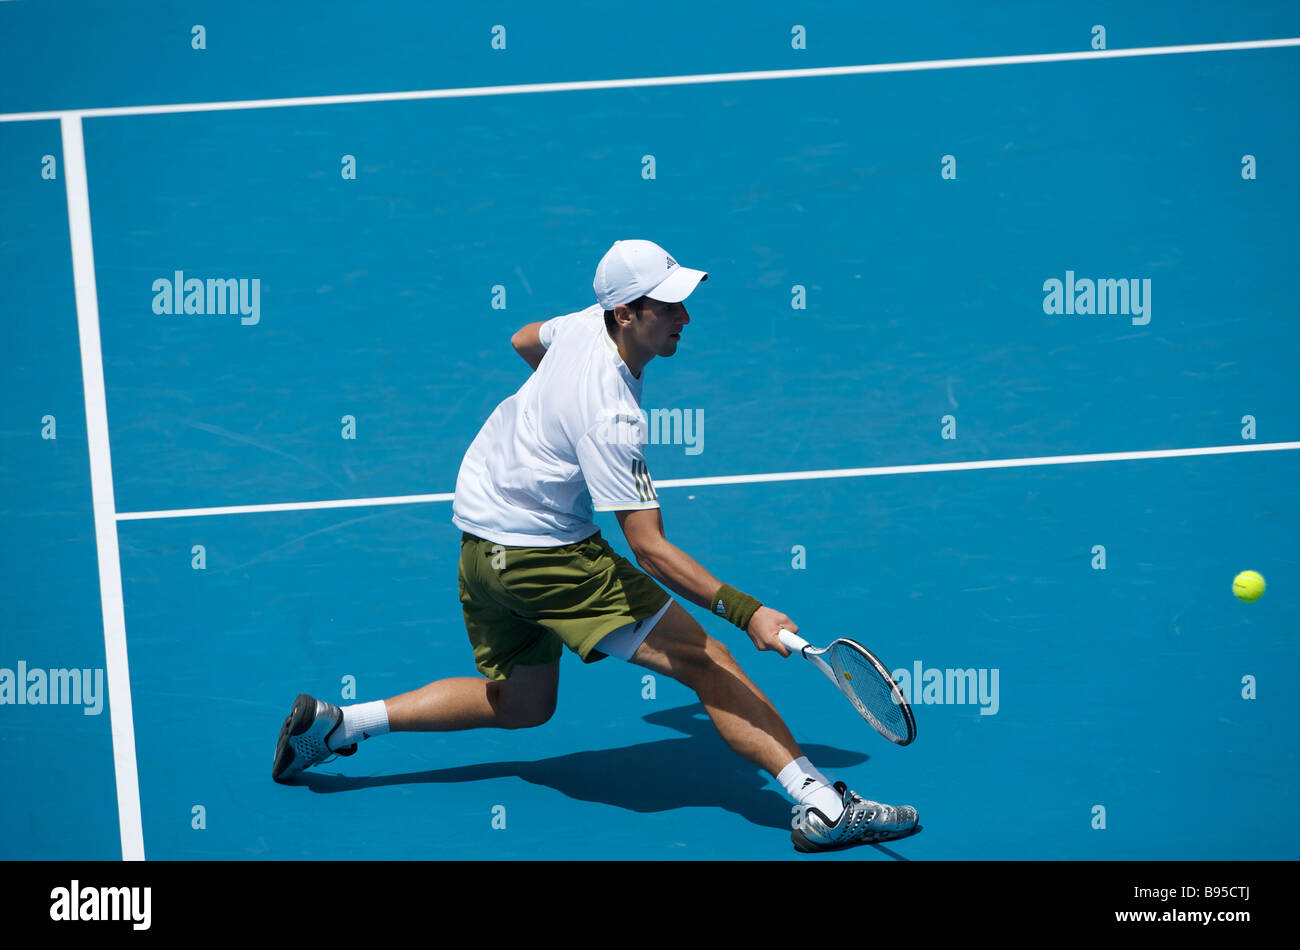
(807, 786)
(360, 721)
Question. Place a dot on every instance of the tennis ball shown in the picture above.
(1248, 586)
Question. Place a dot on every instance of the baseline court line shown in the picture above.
(121, 717)
(744, 479)
(644, 82)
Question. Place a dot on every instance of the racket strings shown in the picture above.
(872, 692)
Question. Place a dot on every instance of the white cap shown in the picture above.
(632, 269)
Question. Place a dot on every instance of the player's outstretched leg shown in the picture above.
(315, 730)
(831, 816)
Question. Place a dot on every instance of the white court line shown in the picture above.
(121, 718)
(743, 479)
(640, 83)
(286, 506)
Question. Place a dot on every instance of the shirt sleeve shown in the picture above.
(546, 333)
(613, 464)
(550, 329)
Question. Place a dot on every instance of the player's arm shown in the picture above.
(682, 574)
(663, 560)
(528, 344)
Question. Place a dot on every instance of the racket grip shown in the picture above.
(791, 640)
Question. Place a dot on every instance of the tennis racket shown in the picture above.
(864, 680)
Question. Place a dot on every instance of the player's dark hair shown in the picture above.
(611, 325)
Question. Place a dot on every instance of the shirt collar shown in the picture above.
(633, 383)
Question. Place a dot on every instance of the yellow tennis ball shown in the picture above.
(1248, 585)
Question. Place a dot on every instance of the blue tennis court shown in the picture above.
(253, 500)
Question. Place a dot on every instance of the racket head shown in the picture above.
(867, 684)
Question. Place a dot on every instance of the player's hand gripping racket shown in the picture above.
(865, 681)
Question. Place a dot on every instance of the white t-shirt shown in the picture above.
(568, 443)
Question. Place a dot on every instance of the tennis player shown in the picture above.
(536, 576)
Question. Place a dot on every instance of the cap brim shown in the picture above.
(678, 285)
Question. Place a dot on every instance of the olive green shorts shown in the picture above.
(524, 605)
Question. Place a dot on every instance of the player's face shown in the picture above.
(661, 326)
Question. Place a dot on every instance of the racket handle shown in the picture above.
(791, 640)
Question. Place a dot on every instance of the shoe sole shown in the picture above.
(806, 845)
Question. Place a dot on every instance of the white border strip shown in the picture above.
(641, 83)
(743, 479)
(121, 716)
(121, 719)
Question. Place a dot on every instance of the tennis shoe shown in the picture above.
(861, 822)
(304, 737)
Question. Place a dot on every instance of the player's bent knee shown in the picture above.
(525, 712)
(527, 699)
(718, 652)
(526, 718)
(718, 664)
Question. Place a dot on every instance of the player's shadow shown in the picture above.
(699, 770)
